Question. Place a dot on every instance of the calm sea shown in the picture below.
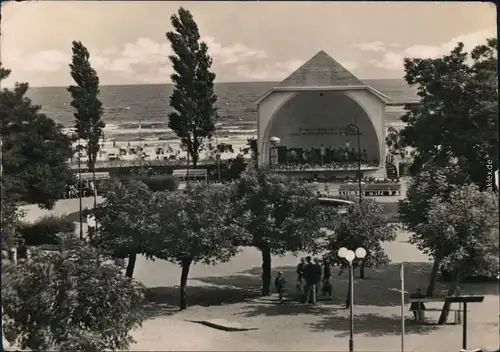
(124, 106)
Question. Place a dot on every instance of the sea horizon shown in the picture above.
(216, 82)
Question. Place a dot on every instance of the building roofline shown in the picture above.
(384, 98)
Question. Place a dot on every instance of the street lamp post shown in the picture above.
(349, 256)
(355, 127)
(275, 141)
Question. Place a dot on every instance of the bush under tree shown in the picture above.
(72, 299)
(45, 230)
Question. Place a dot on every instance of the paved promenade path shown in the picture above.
(230, 292)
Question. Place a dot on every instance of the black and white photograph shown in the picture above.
(249, 176)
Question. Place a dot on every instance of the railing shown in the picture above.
(138, 163)
(192, 173)
(336, 166)
(377, 189)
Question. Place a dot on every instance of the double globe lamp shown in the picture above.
(349, 256)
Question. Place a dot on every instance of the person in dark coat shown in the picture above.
(418, 307)
(309, 288)
(327, 273)
(317, 277)
(300, 274)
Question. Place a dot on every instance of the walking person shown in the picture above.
(327, 273)
(317, 277)
(300, 274)
(309, 287)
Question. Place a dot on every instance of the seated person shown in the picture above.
(418, 307)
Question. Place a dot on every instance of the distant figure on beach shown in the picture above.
(280, 283)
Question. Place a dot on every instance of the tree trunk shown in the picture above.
(362, 270)
(447, 305)
(186, 264)
(433, 278)
(266, 272)
(131, 265)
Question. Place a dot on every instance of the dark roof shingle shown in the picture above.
(321, 71)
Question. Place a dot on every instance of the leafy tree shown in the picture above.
(46, 230)
(11, 224)
(125, 221)
(34, 150)
(280, 214)
(193, 98)
(432, 181)
(234, 167)
(466, 232)
(457, 115)
(69, 300)
(252, 149)
(363, 225)
(85, 100)
(197, 225)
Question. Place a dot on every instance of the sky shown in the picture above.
(249, 41)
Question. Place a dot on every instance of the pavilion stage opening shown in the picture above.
(318, 131)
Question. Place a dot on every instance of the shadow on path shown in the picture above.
(371, 325)
(161, 301)
(380, 288)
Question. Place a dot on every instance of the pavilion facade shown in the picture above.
(311, 121)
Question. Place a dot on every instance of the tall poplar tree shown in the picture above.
(85, 101)
(193, 98)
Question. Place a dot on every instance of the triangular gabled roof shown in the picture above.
(321, 71)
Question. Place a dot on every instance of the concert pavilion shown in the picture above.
(311, 121)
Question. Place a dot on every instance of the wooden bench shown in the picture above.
(457, 315)
(371, 190)
(184, 174)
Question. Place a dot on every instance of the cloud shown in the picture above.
(278, 71)
(377, 46)
(389, 61)
(393, 60)
(269, 71)
(146, 61)
(46, 61)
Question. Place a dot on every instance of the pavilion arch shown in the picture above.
(311, 118)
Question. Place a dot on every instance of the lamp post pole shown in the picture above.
(351, 301)
(356, 128)
(217, 155)
(349, 256)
